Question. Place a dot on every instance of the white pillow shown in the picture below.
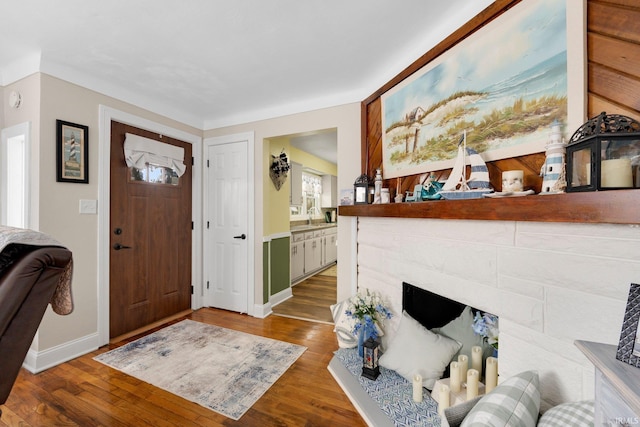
(416, 350)
(343, 325)
(460, 329)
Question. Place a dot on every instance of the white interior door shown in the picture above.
(226, 226)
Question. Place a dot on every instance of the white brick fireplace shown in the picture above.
(550, 284)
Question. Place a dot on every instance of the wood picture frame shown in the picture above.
(629, 345)
(72, 152)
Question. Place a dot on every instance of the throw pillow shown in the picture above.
(460, 329)
(456, 414)
(574, 414)
(343, 325)
(416, 350)
(514, 403)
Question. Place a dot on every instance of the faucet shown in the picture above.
(310, 212)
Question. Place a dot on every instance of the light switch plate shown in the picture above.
(88, 206)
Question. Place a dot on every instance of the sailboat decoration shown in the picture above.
(457, 186)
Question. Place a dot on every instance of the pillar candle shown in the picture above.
(492, 374)
(463, 365)
(443, 398)
(512, 180)
(616, 173)
(455, 377)
(476, 359)
(472, 383)
(417, 388)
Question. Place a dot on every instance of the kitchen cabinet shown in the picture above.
(295, 195)
(297, 256)
(329, 246)
(312, 251)
(329, 197)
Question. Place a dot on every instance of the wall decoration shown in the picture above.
(629, 345)
(504, 84)
(72, 152)
(278, 170)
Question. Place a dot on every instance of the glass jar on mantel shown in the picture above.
(604, 154)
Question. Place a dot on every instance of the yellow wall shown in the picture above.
(276, 203)
(313, 162)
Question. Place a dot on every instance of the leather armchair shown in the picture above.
(29, 276)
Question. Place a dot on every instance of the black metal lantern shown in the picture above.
(604, 154)
(361, 190)
(370, 367)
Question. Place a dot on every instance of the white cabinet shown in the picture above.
(312, 251)
(617, 386)
(329, 246)
(297, 256)
(295, 196)
(329, 191)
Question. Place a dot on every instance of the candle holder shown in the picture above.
(604, 154)
(361, 188)
(370, 367)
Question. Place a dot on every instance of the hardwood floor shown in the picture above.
(311, 298)
(83, 392)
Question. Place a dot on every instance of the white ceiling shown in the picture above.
(210, 63)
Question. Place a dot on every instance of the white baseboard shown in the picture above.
(262, 311)
(281, 296)
(38, 361)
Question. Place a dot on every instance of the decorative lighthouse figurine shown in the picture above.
(377, 185)
(553, 170)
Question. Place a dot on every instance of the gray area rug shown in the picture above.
(221, 369)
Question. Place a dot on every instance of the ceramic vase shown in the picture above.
(365, 332)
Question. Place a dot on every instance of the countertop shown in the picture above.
(302, 228)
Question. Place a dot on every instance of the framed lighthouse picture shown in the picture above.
(72, 152)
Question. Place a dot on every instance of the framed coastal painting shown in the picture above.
(504, 85)
(72, 152)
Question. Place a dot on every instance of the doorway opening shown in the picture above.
(309, 214)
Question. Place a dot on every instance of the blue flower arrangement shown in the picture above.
(367, 309)
(486, 325)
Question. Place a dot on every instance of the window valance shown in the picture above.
(138, 151)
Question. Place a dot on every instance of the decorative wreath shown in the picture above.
(278, 170)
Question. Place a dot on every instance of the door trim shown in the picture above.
(106, 115)
(251, 237)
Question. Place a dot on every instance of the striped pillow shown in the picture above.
(514, 403)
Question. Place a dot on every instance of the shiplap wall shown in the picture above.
(550, 284)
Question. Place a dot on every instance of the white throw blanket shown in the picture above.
(61, 301)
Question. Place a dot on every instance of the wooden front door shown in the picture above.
(150, 239)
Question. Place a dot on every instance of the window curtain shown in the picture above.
(138, 151)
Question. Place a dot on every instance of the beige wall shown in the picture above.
(346, 118)
(54, 207)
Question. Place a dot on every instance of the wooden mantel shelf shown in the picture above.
(614, 207)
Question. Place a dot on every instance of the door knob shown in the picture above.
(118, 246)
(242, 236)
